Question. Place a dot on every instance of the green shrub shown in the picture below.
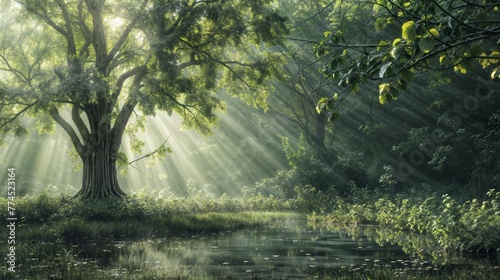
(469, 227)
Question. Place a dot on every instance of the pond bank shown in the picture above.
(468, 228)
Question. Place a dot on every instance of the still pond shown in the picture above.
(286, 250)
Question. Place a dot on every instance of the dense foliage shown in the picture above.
(468, 227)
(392, 41)
(438, 58)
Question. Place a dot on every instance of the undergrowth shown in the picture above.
(470, 227)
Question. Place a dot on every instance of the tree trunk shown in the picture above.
(99, 167)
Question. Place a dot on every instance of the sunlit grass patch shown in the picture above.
(73, 230)
(62, 219)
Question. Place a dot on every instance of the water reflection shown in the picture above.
(290, 249)
(415, 245)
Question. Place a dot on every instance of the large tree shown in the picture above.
(92, 66)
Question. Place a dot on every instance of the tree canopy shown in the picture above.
(389, 42)
(92, 66)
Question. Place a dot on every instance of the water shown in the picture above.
(289, 249)
(281, 251)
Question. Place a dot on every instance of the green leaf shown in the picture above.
(434, 32)
(408, 31)
(382, 99)
(442, 58)
(426, 44)
(397, 48)
(383, 69)
(382, 45)
(327, 104)
(322, 103)
(383, 90)
(495, 73)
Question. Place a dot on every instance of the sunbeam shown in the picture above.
(234, 156)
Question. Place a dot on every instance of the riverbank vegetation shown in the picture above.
(467, 227)
(65, 219)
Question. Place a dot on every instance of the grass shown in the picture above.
(61, 218)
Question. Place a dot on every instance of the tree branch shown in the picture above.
(69, 29)
(313, 16)
(54, 113)
(47, 19)
(87, 34)
(17, 115)
(458, 20)
(98, 33)
(150, 154)
(128, 108)
(123, 38)
(20, 75)
(492, 5)
(120, 81)
(80, 124)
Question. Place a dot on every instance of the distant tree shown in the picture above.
(302, 86)
(390, 41)
(106, 63)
